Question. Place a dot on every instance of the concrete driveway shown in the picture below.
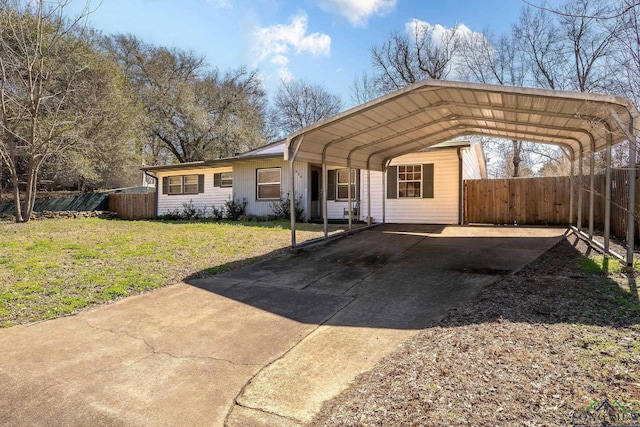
(263, 345)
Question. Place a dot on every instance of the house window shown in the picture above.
(226, 179)
(268, 184)
(175, 184)
(342, 184)
(409, 180)
(183, 184)
(190, 184)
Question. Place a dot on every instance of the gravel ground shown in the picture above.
(535, 349)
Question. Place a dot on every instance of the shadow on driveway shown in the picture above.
(392, 276)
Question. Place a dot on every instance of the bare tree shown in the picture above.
(299, 104)
(45, 64)
(420, 54)
(363, 89)
(540, 39)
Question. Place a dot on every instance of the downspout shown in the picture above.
(157, 188)
(460, 189)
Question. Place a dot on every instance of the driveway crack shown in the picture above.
(154, 351)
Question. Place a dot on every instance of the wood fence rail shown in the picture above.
(545, 201)
(133, 205)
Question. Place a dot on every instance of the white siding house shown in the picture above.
(209, 195)
(421, 187)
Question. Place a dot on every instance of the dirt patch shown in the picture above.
(535, 348)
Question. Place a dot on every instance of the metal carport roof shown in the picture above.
(433, 111)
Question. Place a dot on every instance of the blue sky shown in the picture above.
(321, 41)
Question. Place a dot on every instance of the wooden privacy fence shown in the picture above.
(133, 205)
(545, 201)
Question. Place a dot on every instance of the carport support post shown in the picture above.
(580, 188)
(592, 165)
(349, 195)
(325, 184)
(571, 188)
(631, 212)
(292, 154)
(292, 198)
(368, 195)
(384, 192)
(607, 197)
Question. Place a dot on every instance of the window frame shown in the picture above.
(272, 183)
(223, 179)
(345, 185)
(415, 168)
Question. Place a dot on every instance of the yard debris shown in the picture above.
(535, 348)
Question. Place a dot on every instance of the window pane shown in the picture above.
(269, 191)
(342, 176)
(175, 184)
(226, 179)
(191, 183)
(268, 175)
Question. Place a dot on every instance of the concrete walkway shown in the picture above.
(264, 345)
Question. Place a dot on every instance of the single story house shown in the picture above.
(421, 187)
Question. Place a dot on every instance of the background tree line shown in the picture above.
(81, 107)
(88, 109)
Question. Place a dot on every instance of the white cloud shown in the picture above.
(221, 4)
(277, 42)
(358, 12)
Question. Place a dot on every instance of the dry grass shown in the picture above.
(535, 349)
(50, 268)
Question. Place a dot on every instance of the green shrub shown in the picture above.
(281, 208)
(235, 209)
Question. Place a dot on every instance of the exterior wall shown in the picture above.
(212, 196)
(471, 163)
(443, 208)
(244, 183)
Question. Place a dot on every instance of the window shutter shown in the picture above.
(392, 182)
(217, 179)
(427, 181)
(331, 184)
(357, 184)
(165, 185)
(201, 183)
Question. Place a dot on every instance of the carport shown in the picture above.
(430, 112)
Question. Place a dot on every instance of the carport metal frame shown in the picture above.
(592, 123)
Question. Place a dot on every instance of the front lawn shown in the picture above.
(51, 268)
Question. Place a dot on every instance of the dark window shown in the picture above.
(268, 184)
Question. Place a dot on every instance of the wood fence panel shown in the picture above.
(133, 205)
(545, 201)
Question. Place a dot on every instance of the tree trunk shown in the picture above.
(516, 158)
(16, 197)
(30, 193)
